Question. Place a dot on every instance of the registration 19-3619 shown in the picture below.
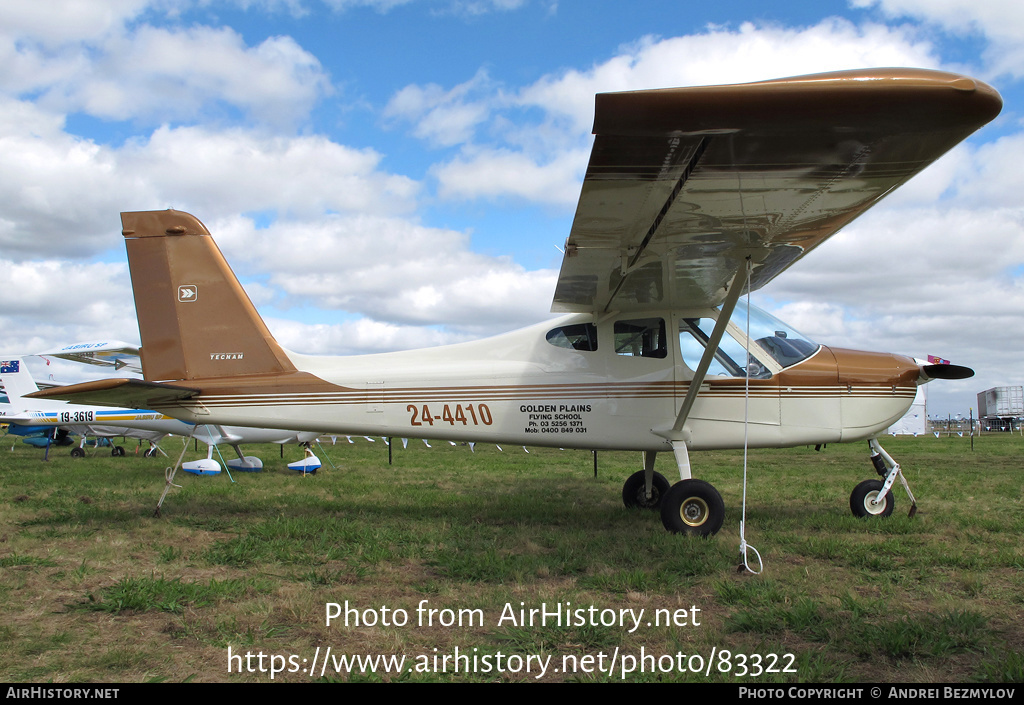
(76, 417)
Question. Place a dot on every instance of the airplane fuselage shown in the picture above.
(520, 388)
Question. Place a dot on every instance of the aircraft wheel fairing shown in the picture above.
(77, 453)
(864, 494)
(634, 493)
(693, 507)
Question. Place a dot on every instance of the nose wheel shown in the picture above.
(873, 498)
(864, 500)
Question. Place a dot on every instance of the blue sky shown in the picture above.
(385, 174)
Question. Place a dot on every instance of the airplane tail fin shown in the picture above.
(16, 378)
(195, 319)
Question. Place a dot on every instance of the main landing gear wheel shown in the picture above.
(77, 453)
(692, 507)
(634, 491)
(863, 497)
(116, 452)
(151, 453)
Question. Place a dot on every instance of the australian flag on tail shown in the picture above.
(10, 367)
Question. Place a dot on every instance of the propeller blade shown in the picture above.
(946, 371)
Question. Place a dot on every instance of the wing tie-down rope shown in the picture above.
(744, 546)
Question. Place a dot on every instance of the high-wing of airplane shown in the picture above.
(692, 197)
(107, 422)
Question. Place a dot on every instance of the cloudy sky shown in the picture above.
(387, 174)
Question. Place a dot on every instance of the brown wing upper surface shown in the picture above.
(684, 184)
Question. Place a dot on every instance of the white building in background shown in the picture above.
(915, 421)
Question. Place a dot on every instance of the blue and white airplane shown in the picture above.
(110, 422)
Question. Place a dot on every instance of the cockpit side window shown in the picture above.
(581, 336)
(694, 335)
(642, 337)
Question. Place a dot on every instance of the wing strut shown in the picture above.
(731, 297)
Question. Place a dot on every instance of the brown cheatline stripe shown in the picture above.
(542, 392)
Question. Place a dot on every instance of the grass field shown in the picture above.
(94, 588)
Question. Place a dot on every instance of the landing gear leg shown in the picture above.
(874, 497)
(682, 456)
(245, 463)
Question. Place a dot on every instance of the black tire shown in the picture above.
(77, 453)
(693, 507)
(116, 452)
(634, 494)
(150, 453)
(862, 496)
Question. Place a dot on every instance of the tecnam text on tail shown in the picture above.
(692, 196)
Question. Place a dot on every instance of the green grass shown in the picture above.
(93, 587)
(167, 594)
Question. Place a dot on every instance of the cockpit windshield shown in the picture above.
(779, 340)
(769, 337)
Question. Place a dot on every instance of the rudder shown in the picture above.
(16, 379)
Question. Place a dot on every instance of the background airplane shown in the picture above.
(59, 420)
(114, 354)
(106, 422)
(692, 197)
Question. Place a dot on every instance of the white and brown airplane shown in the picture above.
(692, 197)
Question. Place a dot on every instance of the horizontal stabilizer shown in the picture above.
(130, 393)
